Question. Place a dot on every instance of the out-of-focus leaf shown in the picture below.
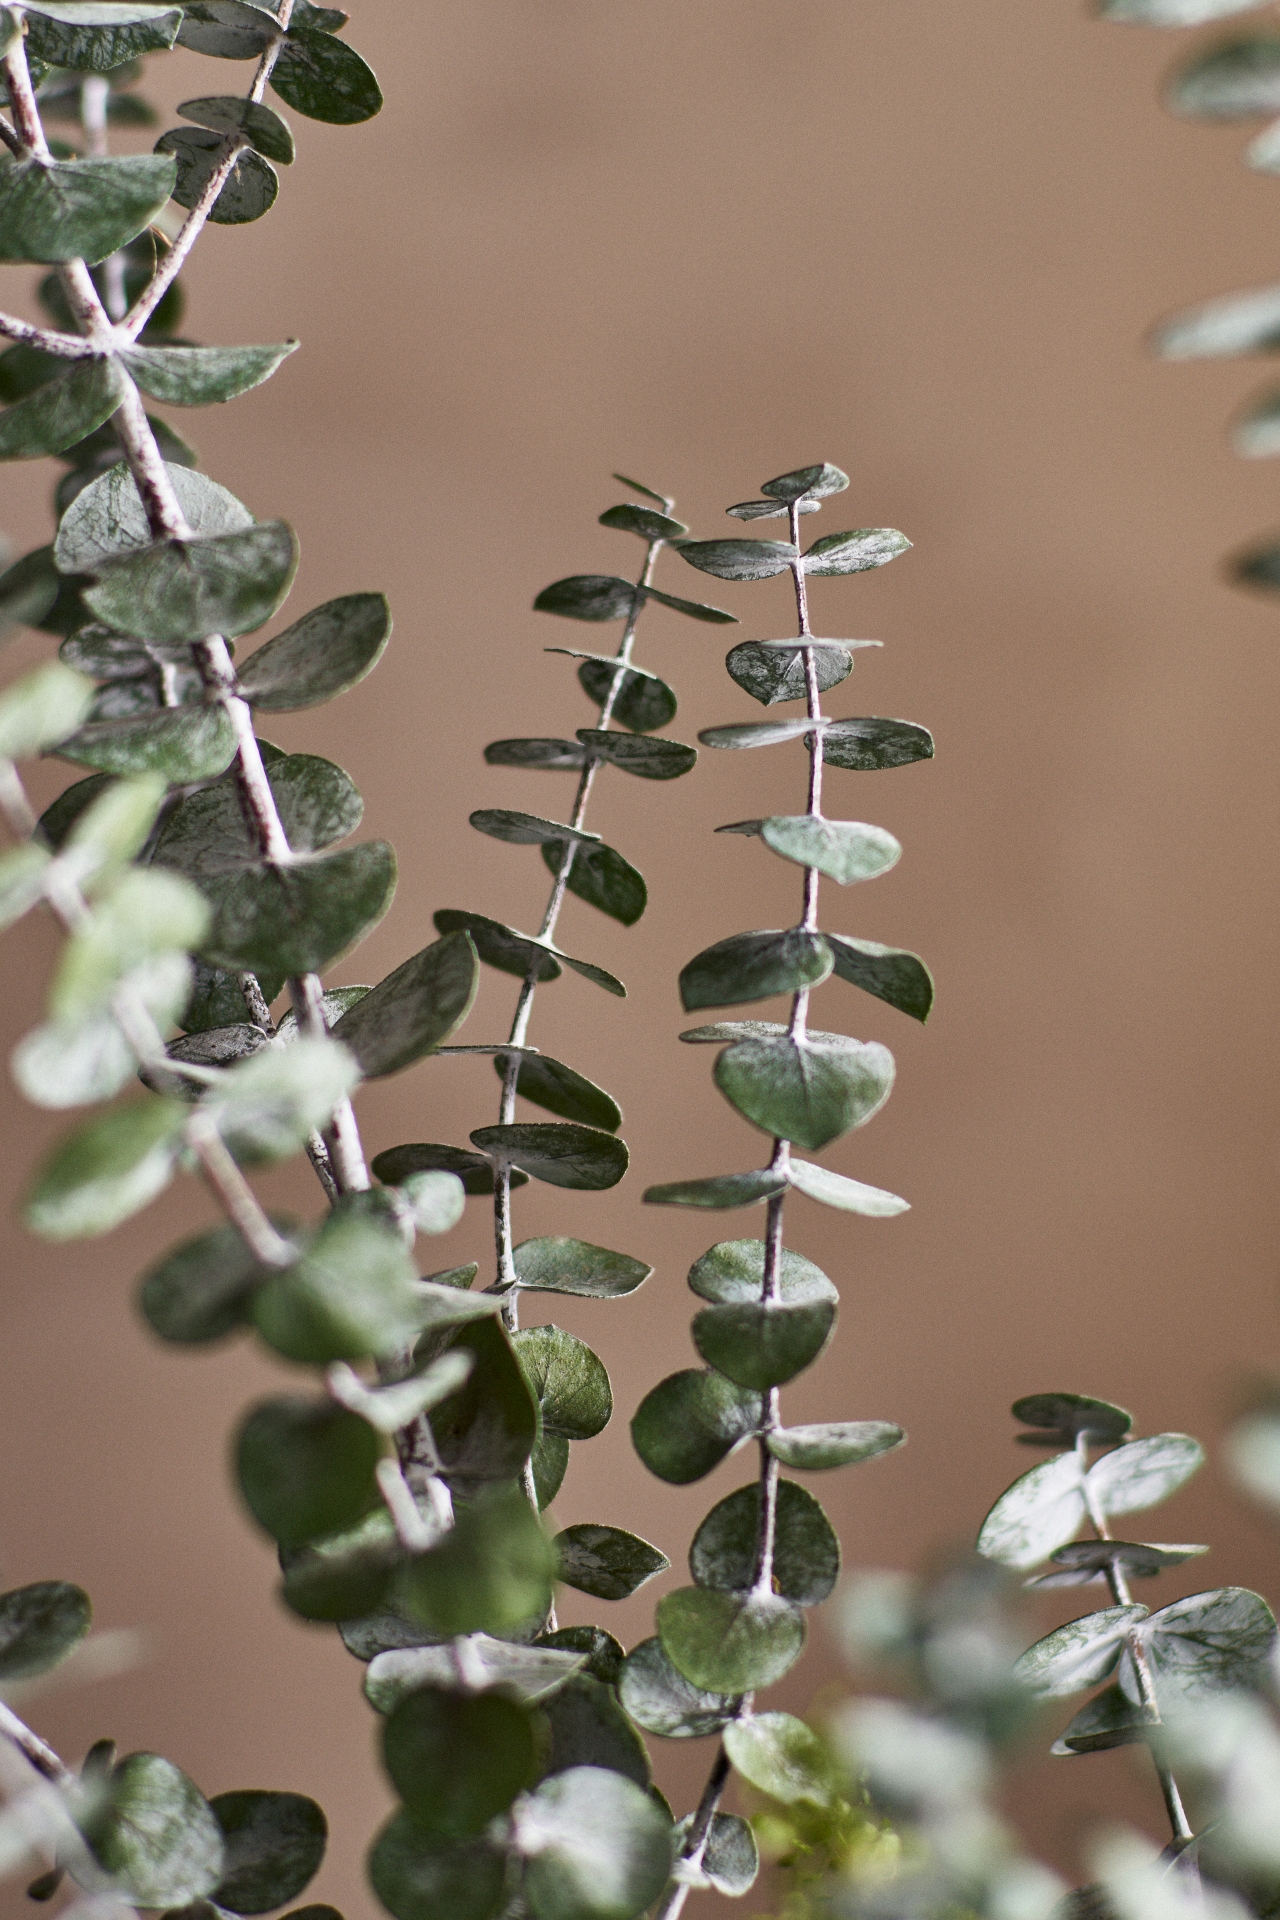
(203, 1289)
(40, 709)
(589, 1729)
(305, 1468)
(1078, 1655)
(458, 1759)
(1172, 13)
(491, 1573)
(1232, 81)
(529, 1674)
(782, 1757)
(155, 1834)
(108, 1170)
(840, 1443)
(762, 1344)
(273, 1844)
(730, 1642)
(39, 1626)
(353, 1294)
(596, 1847)
(62, 210)
(560, 1090)
(720, 1191)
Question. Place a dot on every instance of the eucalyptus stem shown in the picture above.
(37, 1751)
(695, 1845)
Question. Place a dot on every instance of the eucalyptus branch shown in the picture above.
(35, 1750)
(66, 346)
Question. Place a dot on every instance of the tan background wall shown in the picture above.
(705, 243)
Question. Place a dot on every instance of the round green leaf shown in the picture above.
(549, 1463)
(182, 744)
(602, 878)
(567, 1379)
(69, 1063)
(1141, 1473)
(484, 1431)
(39, 1626)
(233, 113)
(565, 1156)
(557, 1265)
(203, 1290)
(641, 754)
(1038, 1513)
(1253, 1449)
(606, 1562)
(596, 1847)
(866, 746)
(414, 1010)
(227, 29)
(252, 184)
(840, 553)
(720, 1191)
(225, 583)
(301, 918)
(110, 1169)
(490, 1574)
(806, 1553)
(108, 519)
(689, 1422)
(329, 650)
(306, 1468)
(137, 917)
(418, 1878)
(809, 1090)
(92, 38)
(63, 411)
(739, 559)
(456, 1759)
(772, 674)
(267, 1106)
(324, 79)
(1108, 1720)
(733, 1271)
(807, 483)
(644, 521)
(353, 1294)
(588, 596)
(155, 1834)
(643, 703)
(889, 973)
(560, 1090)
(841, 1443)
(1059, 1417)
(845, 850)
(780, 1756)
(730, 1860)
(1078, 1655)
(206, 835)
(760, 1343)
(754, 966)
(78, 209)
(659, 1698)
(273, 1844)
(730, 1642)
(1202, 1645)
(589, 1729)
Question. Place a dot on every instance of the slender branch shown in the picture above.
(695, 1842)
(42, 1756)
(67, 346)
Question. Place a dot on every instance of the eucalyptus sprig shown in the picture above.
(767, 1552)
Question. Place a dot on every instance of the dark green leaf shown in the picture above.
(695, 609)
(108, 1170)
(500, 946)
(201, 376)
(733, 1272)
(29, 590)
(589, 1729)
(252, 184)
(326, 80)
(721, 1191)
(273, 1844)
(458, 1759)
(25, 369)
(108, 518)
(634, 486)
(188, 589)
(807, 483)
(568, 1381)
(416, 1878)
(62, 412)
(758, 733)
(840, 553)
(1258, 567)
(808, 1090)
(659, 1698)
(1060, 1417)
(588, 596)
(596, 1846)
(606, 1561)
(484, 1431)
(182, 743)
(638, 753)
(888, 972)
(414, 1010)
(644, 521)
(603, 879)
(644, 702)
(555, 756)
(840, 1443)
(525, 829)
(575, 1266)
(782, 1757)
(602, 1653)
(353, 1294)
(302, 917)
(771, 674)
(1084, 1562)
(866, 746)
(305, 1468)
(155, 1833)
(345, 1577)
(739, 559)
(1078, 1655)
(491, 1573)
(560, 1090)
(730, 1860)
(206, 836)
(329, 650)
(806, 1553)
(217, 998)
(526, 1673)
(474, 1170)
(78, 209)
(202, 1290)
(1231, 81)
(730, 1642)
(763, 1344)
(837, 1190)
(227, 29)
(233, 113)
(754, 966)
(39, 1626)
(1038, 1513)
(549, 1464)
(689, 1422)
(564, 1156)
(92, 38)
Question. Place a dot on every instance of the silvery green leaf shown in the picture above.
(772, 672)
(1036, 1515)
(65, 410)
(689, 1422)
(557, 1265)
(1263, 152)
(891, 974)
(729, 1861)
(808, 1090)
(1109, 1720)
(233, 113)
(414, 1010)
(202, 376)
(153, 1835)
(42, 708)
(768, 509)
(529, 1673)
(739, 559)
(659, 499)
(500, 946)
(1253, 1449)
(564, 1155)
(867, 746)
(730, 1642)
(588, 596)
(325, 79)
(780, 1756)
(22, 878)
(206, 836)
(114, 825)
(139, 915)
(389, 1409)
(181, 744)
(1240, 323)
(695, 609)
(75, 1063)
(556, 756)
(1205, 1644)
(845, 850)
(589, 1729)
(760, 733)
(225, 583)
(108, 517)
(806, 1553)
(607, 1562)
(595, 1844)
(61, 210)
(251, 186)
(1059, 1417)
(642, 520)
(658, 1697)
(525, 829)
(732, 1272)
(302, 917)
(83, 36)
(227, 29)
(416, 1874)
(1083, 1562)
(837, 1190)
(484, 1432)
(475, 1170)
(1256, 434)
(719, 1191)
(643, 702)
(39, 1626)
(1141, 1473)
(641, 754)
(841, 553)
(754, 966)
(1231, 81)
(1078, 1655)
(550, 1084)
(762, 1344)
(269, 1105)
(1173, 13)
(812, 483)
(812, 1449)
